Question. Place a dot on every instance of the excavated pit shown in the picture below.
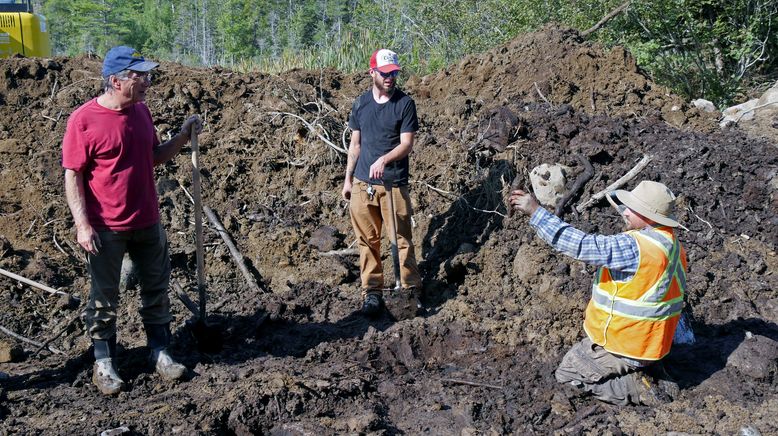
(501, 307)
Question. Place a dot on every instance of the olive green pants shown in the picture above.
(148, 249)
(369, 216)
(607, 376)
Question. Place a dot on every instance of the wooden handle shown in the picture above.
(198, 209)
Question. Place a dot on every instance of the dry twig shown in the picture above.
(27, 233)
(742, 114)
(453, 197)
(470, 383)
(698, 217)
(50, 118)
(313, 130)
(343, 252)
(28, 340)
(617, 184)
(184, 299)
(585, 176)
(541, 95)
(605, 19)
(236, 254)
(35, 284)
(60, 332)
(59, 247)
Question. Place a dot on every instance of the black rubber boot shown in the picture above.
(157, 336)
(104, 348)
(371, 307)
(104, 374)
(158, 339)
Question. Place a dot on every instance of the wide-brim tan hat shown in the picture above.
(653, 200)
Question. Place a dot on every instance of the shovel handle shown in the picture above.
(389, 188)
(198, 218)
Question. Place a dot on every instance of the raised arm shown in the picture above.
(165, 151)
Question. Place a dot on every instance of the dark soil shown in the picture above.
(501, 307)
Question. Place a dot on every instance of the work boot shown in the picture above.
(106, 379)
(166, 367)
(664, 379)
(372, 305)
(158, 339)
(651, 392)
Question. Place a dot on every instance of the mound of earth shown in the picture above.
(501, 307)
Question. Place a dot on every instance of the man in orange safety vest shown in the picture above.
(637, 295)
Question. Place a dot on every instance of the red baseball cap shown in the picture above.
(385, 61)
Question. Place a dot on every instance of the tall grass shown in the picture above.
(349, 53)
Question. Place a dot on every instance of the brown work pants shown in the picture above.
(368, 216)
(608, 377)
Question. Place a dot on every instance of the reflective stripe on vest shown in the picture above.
(637, 318)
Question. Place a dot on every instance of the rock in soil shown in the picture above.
(10, 352)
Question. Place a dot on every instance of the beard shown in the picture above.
(378, 81)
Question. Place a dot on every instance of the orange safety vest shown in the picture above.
(637, 318)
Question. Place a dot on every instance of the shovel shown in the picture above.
(400, 305)
(208, 337)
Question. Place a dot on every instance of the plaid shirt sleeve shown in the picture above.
(616, 252)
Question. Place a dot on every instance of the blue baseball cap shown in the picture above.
(125, 58)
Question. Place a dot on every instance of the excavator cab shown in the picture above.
(22, 31)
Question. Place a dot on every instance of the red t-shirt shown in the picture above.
(115, 152)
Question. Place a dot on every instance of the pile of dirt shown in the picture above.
(501, 306)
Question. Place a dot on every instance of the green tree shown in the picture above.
(703, 48)
(237, 25)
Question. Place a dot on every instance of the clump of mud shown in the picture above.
(501, 307)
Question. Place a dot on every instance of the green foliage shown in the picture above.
(153, 31)
(238, 24)
(702, 48)
(699, 48)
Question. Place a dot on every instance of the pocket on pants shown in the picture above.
(582, 359)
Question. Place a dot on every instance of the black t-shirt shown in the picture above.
(380, 126)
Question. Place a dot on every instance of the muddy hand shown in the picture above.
(514, 186)
(192, 122)
(523, 202)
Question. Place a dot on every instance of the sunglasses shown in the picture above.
(390, 74)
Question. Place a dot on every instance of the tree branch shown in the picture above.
(617, 184)
(585, 176)
(312, 129)
(605, 19)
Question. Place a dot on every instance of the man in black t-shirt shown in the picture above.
(383, 123)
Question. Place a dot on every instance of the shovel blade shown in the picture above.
(208, 337)
(401, 304)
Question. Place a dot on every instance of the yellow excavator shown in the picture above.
(22, 31)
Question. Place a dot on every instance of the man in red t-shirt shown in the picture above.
(109, 152)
